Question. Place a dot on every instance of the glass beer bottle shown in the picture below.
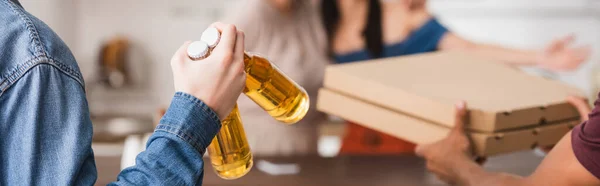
(272, 90)
(267, 86)
(229, 151)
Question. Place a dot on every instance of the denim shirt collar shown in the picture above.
(17, 2)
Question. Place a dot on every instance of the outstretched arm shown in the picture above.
(558, 56)
(560, 167)
(449, 159)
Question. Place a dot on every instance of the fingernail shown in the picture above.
(460, 105)
(211, 36)
(197, 50)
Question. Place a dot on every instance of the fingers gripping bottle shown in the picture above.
(267, 86)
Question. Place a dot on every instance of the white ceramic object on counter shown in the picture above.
(133, 145)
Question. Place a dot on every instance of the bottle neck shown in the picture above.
(247, 57)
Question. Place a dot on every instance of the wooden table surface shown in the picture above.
(348, 171)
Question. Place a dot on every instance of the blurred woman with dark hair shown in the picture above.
(290, 34)
(360, 30)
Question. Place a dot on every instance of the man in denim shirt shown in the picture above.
(45, 127)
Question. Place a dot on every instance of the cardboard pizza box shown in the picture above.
(427, 86)
(421, 131)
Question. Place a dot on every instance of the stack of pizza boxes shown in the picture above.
(413, 98)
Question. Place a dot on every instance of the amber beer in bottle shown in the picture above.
(268, 87)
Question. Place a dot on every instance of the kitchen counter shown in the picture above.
(347, 171)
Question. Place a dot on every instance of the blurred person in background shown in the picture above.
(289, 33)
(359, 30)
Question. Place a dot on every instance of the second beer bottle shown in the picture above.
(268, 87)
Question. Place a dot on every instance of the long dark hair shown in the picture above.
(372, 32)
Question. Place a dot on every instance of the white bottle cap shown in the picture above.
(197, 50)
(211, 36)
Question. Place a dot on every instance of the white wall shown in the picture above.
(157, 28)
(60, 15)
(530, 24)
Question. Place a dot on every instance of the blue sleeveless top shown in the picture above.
(424, 39)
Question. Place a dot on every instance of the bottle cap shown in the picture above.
(197, 50)
(211, 36)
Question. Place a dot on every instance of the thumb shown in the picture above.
(181, 56)
(560, 43)
(581, 105)
(421, 150)
(460, 115)
(553, 46)
(569, 38)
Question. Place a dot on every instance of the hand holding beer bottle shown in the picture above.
(225, 65)
(266, 85)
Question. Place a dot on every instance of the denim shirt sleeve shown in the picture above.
(173, 154)
(45, 130)
(45, 126)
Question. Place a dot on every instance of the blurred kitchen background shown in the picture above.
(154, 29)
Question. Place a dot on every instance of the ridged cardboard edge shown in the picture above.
(426, 109)
(487, 144)
(537, 116)
(422, 132)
